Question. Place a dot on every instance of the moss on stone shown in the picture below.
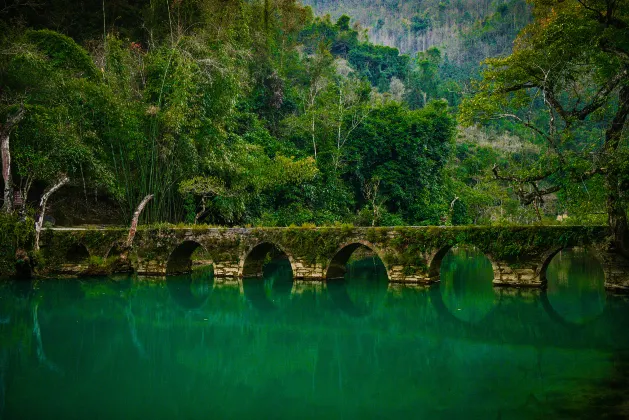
(409, 247)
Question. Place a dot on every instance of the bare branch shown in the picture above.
(537, 194)
(599, 15)
(612, 49)
(601, 96)
(134, 221)
(530, 126)
(42, 206)
(12, 121)
(524, 180)
(5, 134)
(20, 3)
(599, 99)
(607, 19)
(521, 86)
(614, 132)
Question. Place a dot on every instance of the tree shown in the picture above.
(567, 81)
(234, 182)
(44, 72)
(424, 79)
(405, 151)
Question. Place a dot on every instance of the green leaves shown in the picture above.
(563, 84)
(405, 150)
(63, 53)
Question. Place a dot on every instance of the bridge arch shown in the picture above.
(336, 267)
(180, 259)
(466, 292)
(252, 261)
(114, 250)
(77, 254)
(560, 301)
(436, 258)
(356, 299)
(548, 257)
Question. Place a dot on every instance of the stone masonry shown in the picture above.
(519, 255)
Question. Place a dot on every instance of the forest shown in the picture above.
(277, 113)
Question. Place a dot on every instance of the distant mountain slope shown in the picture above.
(468, 30)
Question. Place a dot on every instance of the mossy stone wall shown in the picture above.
(519, 254)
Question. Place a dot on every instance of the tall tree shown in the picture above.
(567, 81)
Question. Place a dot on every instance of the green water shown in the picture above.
(195, 347)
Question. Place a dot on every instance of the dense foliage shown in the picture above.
(225, 117)
(567, 82)
(257, 112)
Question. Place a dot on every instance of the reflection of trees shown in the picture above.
(278, 280)
(16, 333)
(191, 290)
(273, 289)
(302, 354)
(467, 283)
(134, 332)
(576, 285)
(364, 288)
(41, 355)
(4, 360)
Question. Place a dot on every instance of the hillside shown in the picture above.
(469, 30)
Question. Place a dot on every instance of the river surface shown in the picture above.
(193, 347)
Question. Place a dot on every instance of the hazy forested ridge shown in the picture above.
(470, 30)
(259, 112)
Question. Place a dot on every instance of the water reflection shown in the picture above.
(191, 291)
(131, 352)
(363, 289)
(22, 288)
(576, 286)
(467, 284)
(273, 289)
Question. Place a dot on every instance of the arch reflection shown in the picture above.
(22, 289)
(466, 285)
(363, 288)
(575, 292)
(273, 289)
(191, 291)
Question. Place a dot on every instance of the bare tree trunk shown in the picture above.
(5, 133)
(314, 142)
(617, 216)
(6, 174)
(201, 213)
(536, 207)
(616, 211)
(42, 207)
(134, 221)
(451, 212)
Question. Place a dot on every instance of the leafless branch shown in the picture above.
(134, 221)
(42, 206)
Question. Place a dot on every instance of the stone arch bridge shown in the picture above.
(519, 255)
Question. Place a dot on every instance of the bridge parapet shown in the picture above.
(519, 255)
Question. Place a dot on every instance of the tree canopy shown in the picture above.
(567, 81)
